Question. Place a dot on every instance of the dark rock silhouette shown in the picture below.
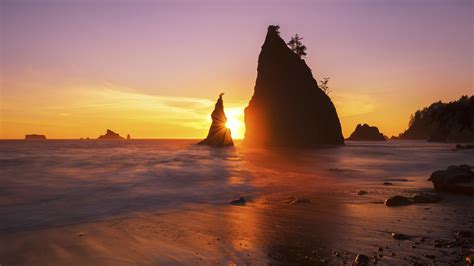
(287, 107)
(443, 122)
(398, 201)
(455, 179)
(366, 132)
(464, 147)
(35, 137)
(110, 135)
(219, 134)
(128, 136)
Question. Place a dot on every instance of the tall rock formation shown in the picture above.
(219, 134)
(287, 107)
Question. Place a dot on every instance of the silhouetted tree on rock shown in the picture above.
(297, 46)
(324, 85)
(219, 134)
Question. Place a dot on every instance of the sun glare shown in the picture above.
(235, 122)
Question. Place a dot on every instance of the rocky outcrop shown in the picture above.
(443, 122)
(455, 179)
(366, 132)
(110, 135)
(287, 107)
(35, 137)
(219, 134)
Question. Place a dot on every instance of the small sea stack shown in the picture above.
(367, 133)
(110, 135)
(219, 135)
(35, 137)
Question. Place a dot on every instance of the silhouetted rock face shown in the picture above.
(110, 135)
(443, 122)
(35, 137)
(287, 107)
(366, 132)
(219, 134)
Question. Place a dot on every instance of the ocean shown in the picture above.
(46, 185)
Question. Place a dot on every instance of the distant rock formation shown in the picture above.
(35, 137)
(128, 136)
(443, 122)
(366, 132)
(287, 107)
(110, 135)
(219, 134)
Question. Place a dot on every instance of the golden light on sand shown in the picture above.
(235, 122)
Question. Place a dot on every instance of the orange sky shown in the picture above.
(154, 70)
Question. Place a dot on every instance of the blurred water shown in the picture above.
(59, 182)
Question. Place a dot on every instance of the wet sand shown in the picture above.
(294, 214)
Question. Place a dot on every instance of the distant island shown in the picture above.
(287, 107)
(110, 135)
(35, 137)
(219, 135)
(443, 122)
(366, 132)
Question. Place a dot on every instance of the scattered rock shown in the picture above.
(294, 200)
(239, 201)
(387, 183)
(464, 147)
(81, 234)
(362, 192)
(399, 236)
(426, 198)
(455, 179)
(461, 234)
(398, 201)
(470, 258)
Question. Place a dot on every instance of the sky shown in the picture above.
(154, 69)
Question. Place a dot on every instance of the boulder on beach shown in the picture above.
(455, 179)
(464, 147)
(426, 198)
(239, 201)
(398, 201)
(288, 108)
(219, 135)
(110, 135)
(361, 260)
(35, 137)
(366, 132)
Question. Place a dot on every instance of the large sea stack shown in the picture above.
(287, 107)
(219, 135)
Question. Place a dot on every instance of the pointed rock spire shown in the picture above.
(287, 107)
(219, 134)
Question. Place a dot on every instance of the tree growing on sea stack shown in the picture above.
(297, 46)
(287, 107)
(219, 135)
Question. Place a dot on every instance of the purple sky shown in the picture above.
(385, 59)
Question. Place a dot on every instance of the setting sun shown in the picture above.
(235, 122)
